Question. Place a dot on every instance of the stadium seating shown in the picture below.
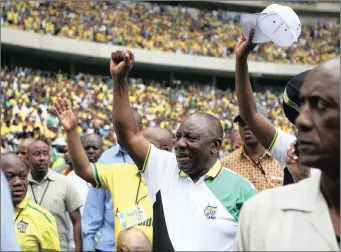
(32, 94)
(163, 28)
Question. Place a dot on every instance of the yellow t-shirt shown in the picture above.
(122, 180)
(35, 227)
(59, 161)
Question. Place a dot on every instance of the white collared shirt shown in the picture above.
(201, 216)
(290, 218)
(60, 198)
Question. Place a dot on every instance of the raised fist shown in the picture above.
(121, 63)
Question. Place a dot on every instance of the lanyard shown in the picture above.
(138, 188)
(137, 193)
(259, 166)
(18, 215)
(34, 196)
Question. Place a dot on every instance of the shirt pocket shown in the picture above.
(57, 205)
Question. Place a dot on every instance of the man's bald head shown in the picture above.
(318, 122)
(23, 148)
(10, 159)
(328, 71)
(197, 144)
(26, 142)
(159, 137)
(16, 173)
(93, 146)
(210, 122)
(133, 239)
(34, 145)
(38, 157)
(93, 137)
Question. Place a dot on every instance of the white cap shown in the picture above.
(277, 23)
(59, 142)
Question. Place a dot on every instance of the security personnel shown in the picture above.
(35, 227)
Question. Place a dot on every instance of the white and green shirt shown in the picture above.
(201, 216)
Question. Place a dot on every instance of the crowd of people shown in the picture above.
(159, 27)
(28, 96)
(92, 163)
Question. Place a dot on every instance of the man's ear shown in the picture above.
(216, 146)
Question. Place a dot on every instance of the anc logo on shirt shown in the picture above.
(210, 212)
(22, 226)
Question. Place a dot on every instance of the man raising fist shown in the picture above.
(196, 201)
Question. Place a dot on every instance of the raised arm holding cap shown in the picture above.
(263, 130)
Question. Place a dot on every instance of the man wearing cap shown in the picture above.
(276, 141)
(252, 161)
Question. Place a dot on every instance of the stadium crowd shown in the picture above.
(92, 163)
(28, 96)
(165, 28)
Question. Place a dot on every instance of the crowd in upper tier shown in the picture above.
(165, 28)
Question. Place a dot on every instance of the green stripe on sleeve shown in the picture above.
(39, 211)
(95, 172)
(231, 190)
(145, 164)
(273, 141)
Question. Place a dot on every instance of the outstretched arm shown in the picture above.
(263, 130)
(126, 128)
(68, 119)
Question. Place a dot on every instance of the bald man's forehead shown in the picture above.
(322, 81)
(26, 142)
(38, 145)
(11, 161)
(93, 140)
(196, 124)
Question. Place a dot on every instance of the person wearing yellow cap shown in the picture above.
(35, 227)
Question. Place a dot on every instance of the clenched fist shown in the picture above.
(121, 63)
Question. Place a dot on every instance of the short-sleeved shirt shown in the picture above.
(60, 198)
(127, 189)
(193, 216)
(264, 174)
(35, 227)
(279, 147)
